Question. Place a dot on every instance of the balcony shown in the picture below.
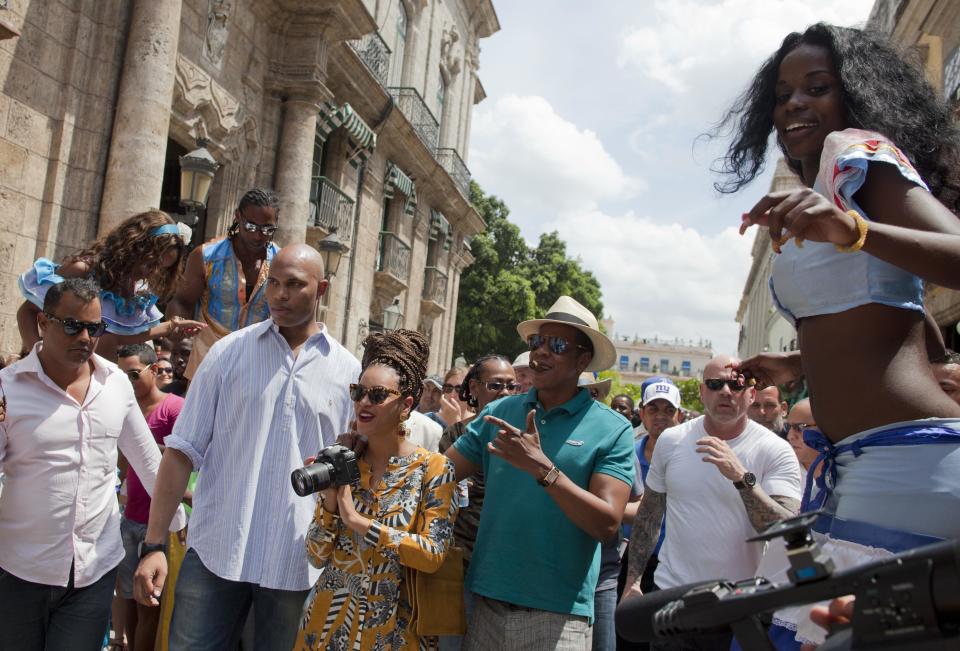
(393, 265)
(330, 208)
(419, 115)
(375, 54)
(456, 168)
(435, 286)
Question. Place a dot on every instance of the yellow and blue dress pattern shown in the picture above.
(360, 603)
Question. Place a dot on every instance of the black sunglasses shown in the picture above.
(72, 327)
(376, 395)
(736, 385)
(164, 370)
(497, 387)
(450, 388)
(557, 345)
(799, 427)
(266, 230)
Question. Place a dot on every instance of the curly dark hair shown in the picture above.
(264, 197)
(883, 91)
(119, 260)
(406, 352)
(473, 373)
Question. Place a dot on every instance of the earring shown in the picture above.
(404, 429)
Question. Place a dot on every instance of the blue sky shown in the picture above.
(591, 127)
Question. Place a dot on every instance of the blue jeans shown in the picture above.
(38, 617)
(604, 626)
(209, 612)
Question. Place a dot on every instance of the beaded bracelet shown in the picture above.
(863, 227)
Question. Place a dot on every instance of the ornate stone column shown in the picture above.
(294, 165)
(139, 141)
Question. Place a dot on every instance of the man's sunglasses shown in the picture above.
(799, 427)
(497, 387)
(134, 374)
(72, 327)
(557, 345)
(376, 395)
(267, 230)
(736, 385)
(450, 388)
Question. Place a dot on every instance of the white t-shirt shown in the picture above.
(706, 520)
(424, 432)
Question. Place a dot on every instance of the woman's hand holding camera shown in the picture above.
(348, 512)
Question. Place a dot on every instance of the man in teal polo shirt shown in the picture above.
(558, 469)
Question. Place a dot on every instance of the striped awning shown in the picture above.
(397, 181)
(362, 137)
(440, 229)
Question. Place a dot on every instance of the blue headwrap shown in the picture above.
(166, 229)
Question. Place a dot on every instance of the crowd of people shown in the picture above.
(504, 505)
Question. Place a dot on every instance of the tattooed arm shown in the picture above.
(643, 537)
(763, 510)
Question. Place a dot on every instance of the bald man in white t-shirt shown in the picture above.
(753, 482)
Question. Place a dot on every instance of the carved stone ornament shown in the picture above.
(203, 105)
(215, 39)
(449, 62)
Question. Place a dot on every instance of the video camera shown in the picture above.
(908, 602)
(334, 466)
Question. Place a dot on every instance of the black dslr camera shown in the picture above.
(334, 466)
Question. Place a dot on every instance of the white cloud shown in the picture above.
(543, 162)
(662, 279)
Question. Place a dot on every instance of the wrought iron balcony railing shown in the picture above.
(330, 208)
(394, 256)
(375, 54)
(419, 115)
(456, 168)
(435, 286)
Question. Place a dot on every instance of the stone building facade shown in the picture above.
(762, 327)
(932, 29)
(639, 358)
(356, 111)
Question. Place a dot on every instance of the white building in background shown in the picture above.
(639, 358)
(762, 327)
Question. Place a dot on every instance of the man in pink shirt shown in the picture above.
(139, 362)
(68, 411)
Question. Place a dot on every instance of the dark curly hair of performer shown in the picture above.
(474, 374)
(406, 352)
(883, 91)
(129, 253)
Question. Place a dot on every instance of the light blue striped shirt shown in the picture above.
(253, 414)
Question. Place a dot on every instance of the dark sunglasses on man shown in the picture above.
(267, 230)
(72, 327)
(134, 374)
(799, 427)
(556, 345)
(736, 384)
(376, 395)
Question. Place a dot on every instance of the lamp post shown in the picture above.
(392, 316)
(196, 176)
(332, 250)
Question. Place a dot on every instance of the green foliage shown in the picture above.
(619, 387)
(690, 394)
(509, 282)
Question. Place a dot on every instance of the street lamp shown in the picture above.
(392, 316)
(332, 250)
(196, 176)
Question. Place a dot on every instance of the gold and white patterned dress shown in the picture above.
(359, 603)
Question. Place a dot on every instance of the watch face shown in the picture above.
(749, 479)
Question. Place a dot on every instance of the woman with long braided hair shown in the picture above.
(401, 515)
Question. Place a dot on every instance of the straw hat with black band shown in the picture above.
(569, 312)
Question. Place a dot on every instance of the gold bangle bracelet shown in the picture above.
(863, 227)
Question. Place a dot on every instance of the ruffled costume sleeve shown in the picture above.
(123, 316)
(845, 159)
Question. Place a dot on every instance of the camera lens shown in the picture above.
(311, 479)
